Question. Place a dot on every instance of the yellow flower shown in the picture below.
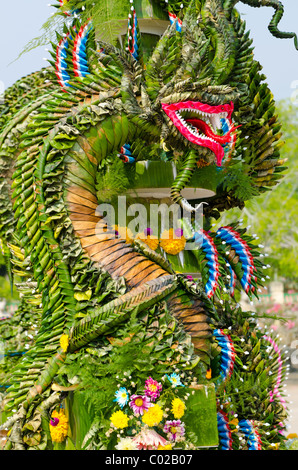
(234, 422)
(150, 240)
(58, 426)
(123, 233)
(119, 419)
(208, 374)
(275, 446)
(172, 242)
(292, 436)
(153, 416)
(64, 342)
(178, 408)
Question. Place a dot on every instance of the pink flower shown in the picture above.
(149, 439)
(290, 324)
(54, 422)
(139, 404)
(174, 429)
(153, 388)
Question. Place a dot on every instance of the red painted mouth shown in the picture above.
(199, 122)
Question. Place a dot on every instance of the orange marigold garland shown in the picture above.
(173, 241)
(148, 238)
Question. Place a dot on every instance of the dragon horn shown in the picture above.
(273, 25)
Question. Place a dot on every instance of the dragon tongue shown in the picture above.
(203, 126)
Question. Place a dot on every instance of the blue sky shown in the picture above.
(278, 56)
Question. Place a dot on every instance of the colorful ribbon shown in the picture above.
(254, 441)
(132, 35)
(79, 59)
(174, 19)
(125, 154)
(241, 248)
(227, 354)
(60, 64)
(70, 12)
(211, 254)
(276, 392)
(224, 432)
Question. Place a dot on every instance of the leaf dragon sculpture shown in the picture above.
(197, 98)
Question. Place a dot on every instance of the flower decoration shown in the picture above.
(139, 404)
(119, 420)
(174, 429)
(126, 443)
(175, 380)
(153, 416)
(149, 414)
(234, 422)
(122, 396)
(166, 447)
(178, 408)
(58, 426)
(153, 388)
(148, 238)
(173, 241)
(64, 342)
(292, 436)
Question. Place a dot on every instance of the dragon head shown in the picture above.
(199, 123)
(196, 87)
(188, 79)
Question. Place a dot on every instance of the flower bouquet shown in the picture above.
(151, 418)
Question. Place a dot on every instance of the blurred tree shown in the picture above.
(2, 266)
(5, 286)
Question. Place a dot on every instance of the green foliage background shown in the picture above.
(273, 216)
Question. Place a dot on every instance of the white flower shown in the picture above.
(126, 443)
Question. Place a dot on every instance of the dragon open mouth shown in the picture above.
(201, 124)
